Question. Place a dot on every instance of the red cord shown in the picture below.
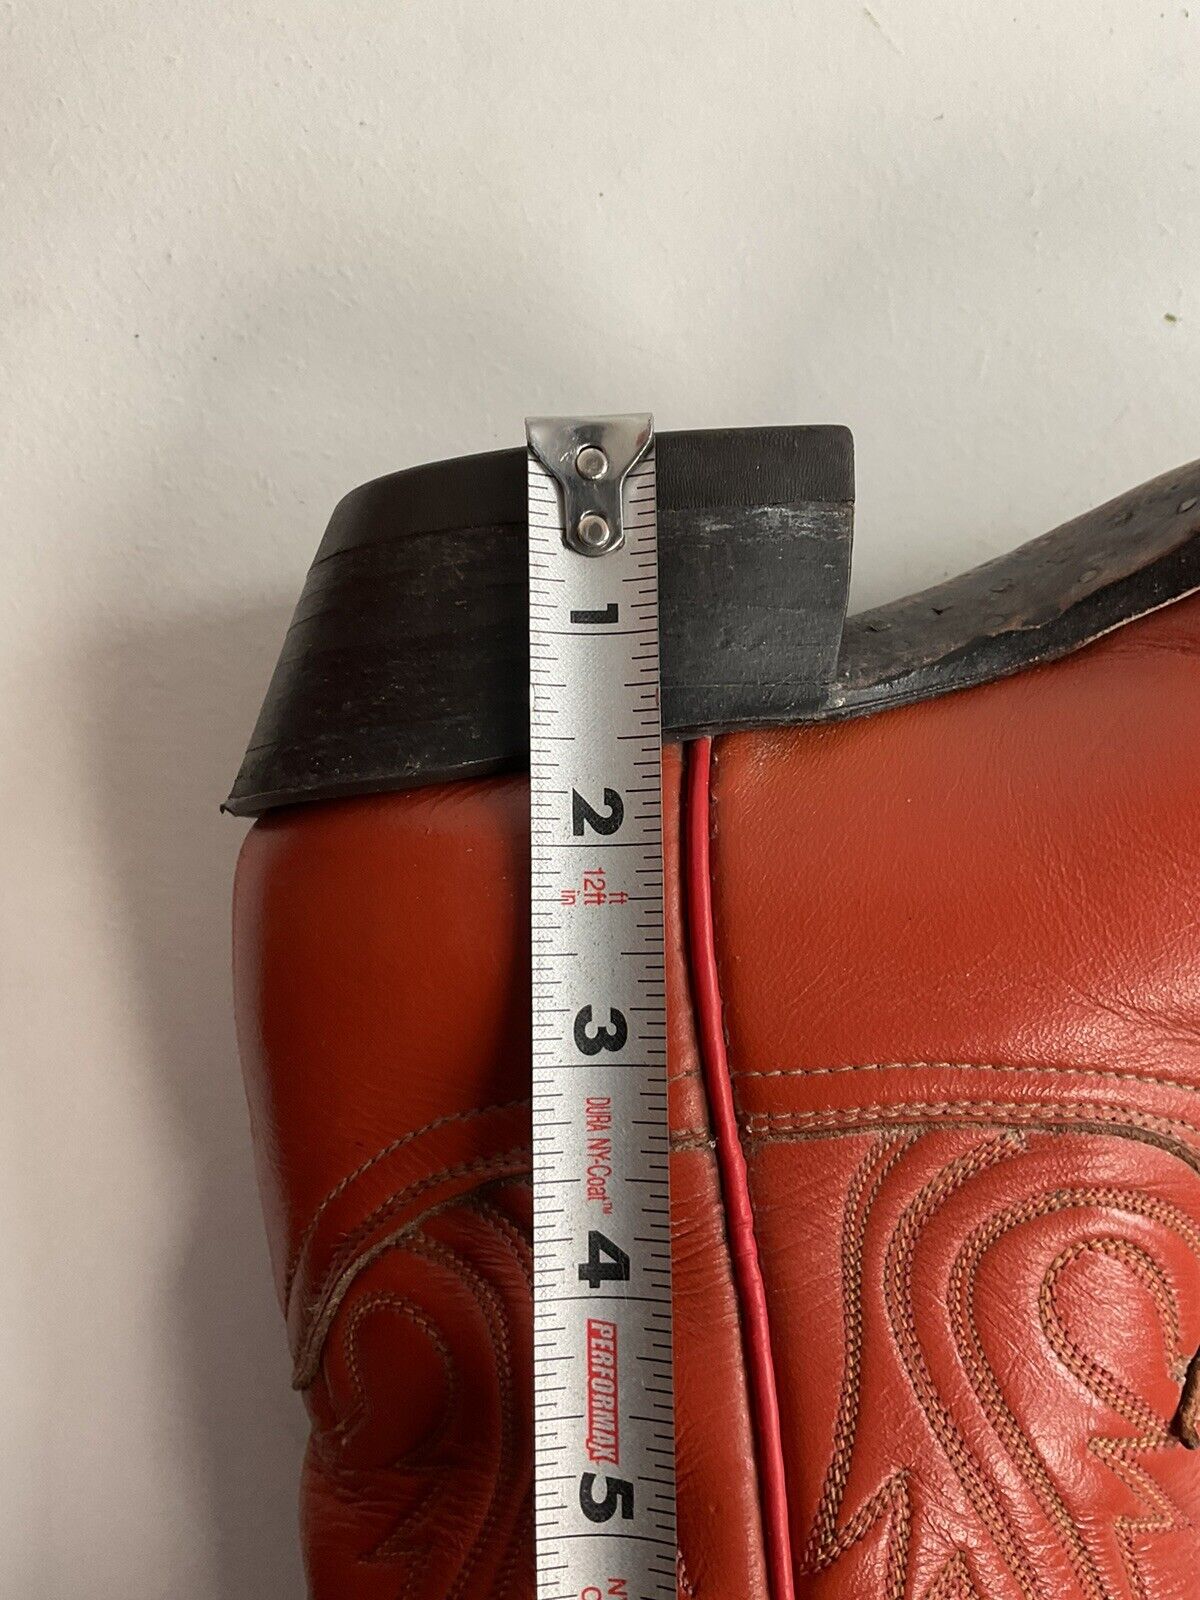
(735, 1184)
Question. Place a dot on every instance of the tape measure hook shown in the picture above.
(589, 460)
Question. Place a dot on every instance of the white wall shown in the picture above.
(257, 253)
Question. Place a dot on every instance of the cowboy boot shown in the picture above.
(934, 1042)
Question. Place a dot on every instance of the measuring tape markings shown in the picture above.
(604, 1410)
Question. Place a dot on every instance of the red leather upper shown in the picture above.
(936, 1170)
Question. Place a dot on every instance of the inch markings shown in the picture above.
(603, 1387)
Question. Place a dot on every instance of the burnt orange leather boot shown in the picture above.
(933, 920)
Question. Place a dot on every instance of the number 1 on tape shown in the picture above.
(603, 1395)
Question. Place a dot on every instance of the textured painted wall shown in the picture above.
(257, 253)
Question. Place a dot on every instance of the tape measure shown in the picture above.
(603, 1392)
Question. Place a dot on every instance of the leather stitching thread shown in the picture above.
(399, 1541)
(349, 1426)
(893, 1499)
(496, 1324)
(1119, 1453)
(522, 1253)
(898, 1299)
(825, 1544)
(499, 1171)
(399, 1197)
(418, 1243)
(681, 1142)
(1113, 1074)
(372, 1161)
(962, 1291)
(395, 1544)
(1116, 1452)
(759, 1124)
(983, 1382)
(953, 1582)
(1117, 1396)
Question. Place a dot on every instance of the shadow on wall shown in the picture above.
(173, 707)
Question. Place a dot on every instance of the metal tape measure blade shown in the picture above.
(603, 1393)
